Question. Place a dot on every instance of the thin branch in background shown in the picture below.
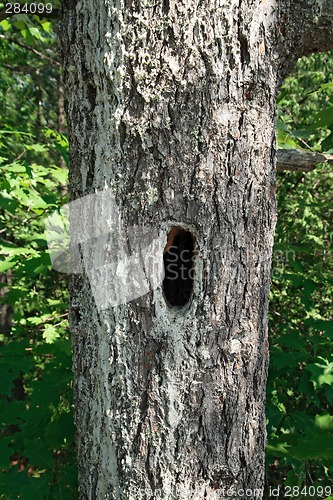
(21, 70)
(31, 49)
(54, 317)
(19, 156)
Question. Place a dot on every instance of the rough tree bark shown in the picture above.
(172, 105)
(300, 161)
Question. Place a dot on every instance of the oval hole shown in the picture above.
(178, 266)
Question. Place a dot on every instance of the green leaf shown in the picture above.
(324, 422)
(14, 482)
(317, 446)
(36, 33)
(293, 341)
(282, 360)
(41, 148)
(5, 25)
(11, 411)
(5, 453)
(277, 447)
(323, 119)
(39, 487)
(50, 334)
(47, 26)
(7, 264)
(321, 325)
(38, 454)
(322, 373)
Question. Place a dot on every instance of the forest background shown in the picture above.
(37, 450)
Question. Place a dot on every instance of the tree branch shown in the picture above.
(300, 161)
(304, 27)
(32, 49)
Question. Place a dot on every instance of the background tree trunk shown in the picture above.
(172, 105)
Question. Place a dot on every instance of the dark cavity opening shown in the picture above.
(178, 266)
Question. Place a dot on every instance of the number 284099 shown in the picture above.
(28, 8)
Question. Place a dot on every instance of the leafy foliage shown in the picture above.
(37, 457)
(300, 385)
(305, 105)
(35, 356)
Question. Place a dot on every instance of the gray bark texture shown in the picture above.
(171, 104)
(300, 161)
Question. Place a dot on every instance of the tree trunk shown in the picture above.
(171, 105)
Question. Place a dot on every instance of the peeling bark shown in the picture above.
(172, 105)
